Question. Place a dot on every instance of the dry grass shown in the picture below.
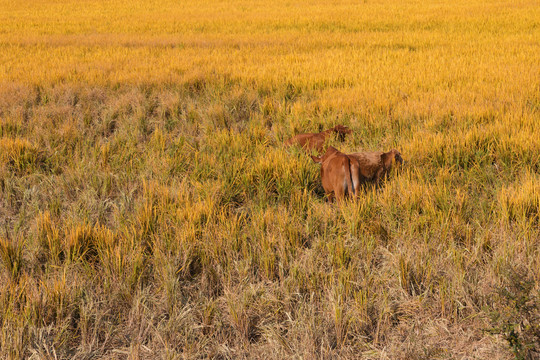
(149, 210)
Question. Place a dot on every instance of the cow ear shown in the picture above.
(316, 159)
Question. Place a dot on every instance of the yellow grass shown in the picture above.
(366, 52)
(149, 210)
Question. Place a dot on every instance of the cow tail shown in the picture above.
(348, 177)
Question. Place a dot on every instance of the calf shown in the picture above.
(337, 174)
(374, 166)
(315, 141)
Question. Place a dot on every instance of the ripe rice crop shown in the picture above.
(148, 207)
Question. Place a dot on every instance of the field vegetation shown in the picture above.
(149, 210)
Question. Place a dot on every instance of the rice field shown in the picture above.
(149, 210)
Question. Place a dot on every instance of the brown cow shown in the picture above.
(336, 174)
(315, 141)
(374, 166)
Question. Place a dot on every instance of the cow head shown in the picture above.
(390, 157)
(341, 131)
(398, 157)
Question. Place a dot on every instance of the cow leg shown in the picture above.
(340, 194)
(379, 176)
(330, 197)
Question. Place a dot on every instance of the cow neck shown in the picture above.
(387, 159)
(325, 133)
